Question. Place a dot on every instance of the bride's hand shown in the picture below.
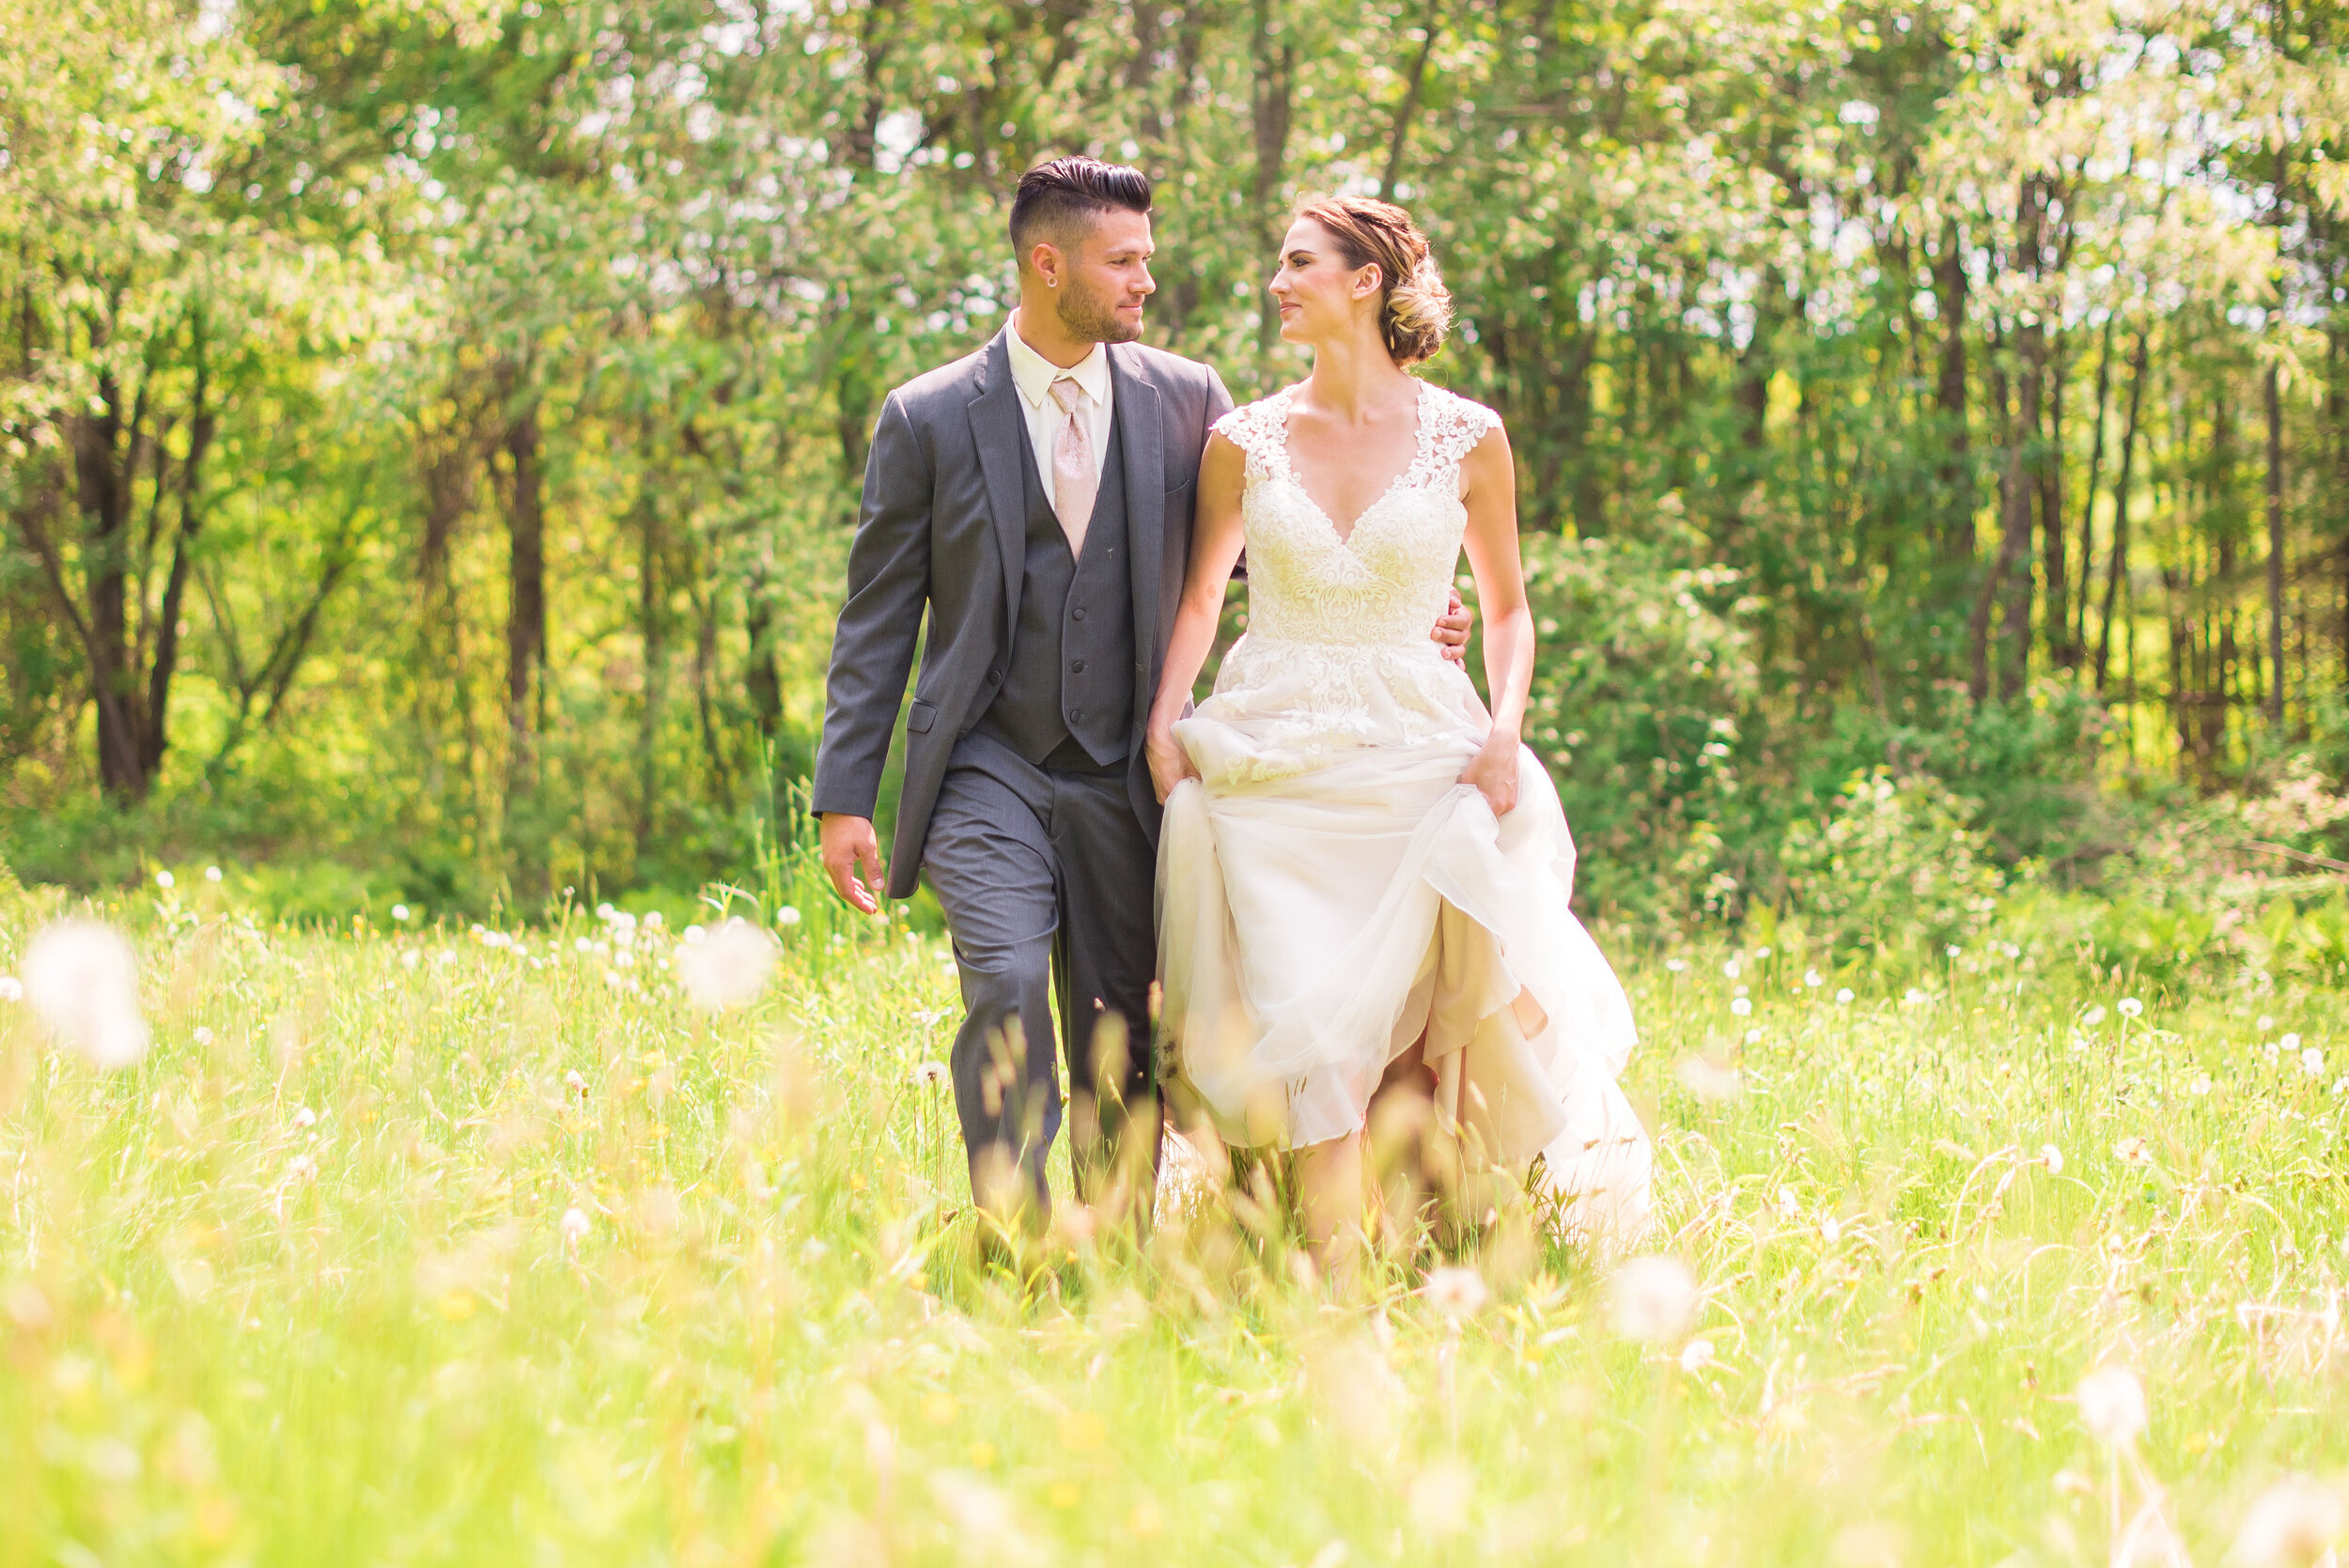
(1170, 764)
(1494, 771)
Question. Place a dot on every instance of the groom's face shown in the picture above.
(1105, 278)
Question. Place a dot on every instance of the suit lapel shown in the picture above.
(1001, 431)
(1143, 448)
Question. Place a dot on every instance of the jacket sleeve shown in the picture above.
(881, 625)
(1219, 403)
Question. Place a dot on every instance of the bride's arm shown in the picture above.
(1214, 541)
(1492, 551)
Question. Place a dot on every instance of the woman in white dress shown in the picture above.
(1363, 876)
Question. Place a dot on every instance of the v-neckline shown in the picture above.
(1288, 465)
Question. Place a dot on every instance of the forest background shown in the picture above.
(430, 431)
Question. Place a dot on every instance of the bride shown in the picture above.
(1364, 875)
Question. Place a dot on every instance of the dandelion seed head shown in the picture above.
(1830, 1229)
(2201, 1084)
(1709, 1080)
(2052, 1157)
(1741, 1005)
(1651, 1298)
(786, 916)
(301, 1168)
(1811, 978)
(11, 989)
(2111, 1404)
(2133, 1151)
(204, 1036)
(1843, 997)
(400, 912)
(305, 1117)
(83, 979)
(1761, 952)
(211, 874)
(2130, 1007)
(1696, 1356)
(1730, 969)
(574, 1227)
(727, 967)
(1675, 966)
(929, 1074)
(1455, 1292)
(2312, 1062)
(2094, 1015)
(2293, 1524)
(1952, 950)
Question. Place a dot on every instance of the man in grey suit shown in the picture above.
(1035, 499)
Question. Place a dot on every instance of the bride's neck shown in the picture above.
(1352, 378)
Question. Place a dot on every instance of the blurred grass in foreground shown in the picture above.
(300, 1289)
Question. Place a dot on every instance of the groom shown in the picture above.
(1035, 500)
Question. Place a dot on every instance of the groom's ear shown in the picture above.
(1048, 261)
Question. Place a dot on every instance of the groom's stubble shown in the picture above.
(1091, 318)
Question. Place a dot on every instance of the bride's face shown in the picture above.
(1321, 297)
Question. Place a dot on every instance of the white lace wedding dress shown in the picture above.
(1329, 891)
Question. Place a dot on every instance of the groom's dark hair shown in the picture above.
(1056, 197)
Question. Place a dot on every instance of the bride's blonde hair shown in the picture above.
(1415, 308)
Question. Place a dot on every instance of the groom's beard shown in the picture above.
(1092, 319)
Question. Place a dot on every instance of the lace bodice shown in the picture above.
(1386, 582)
(1338, 654)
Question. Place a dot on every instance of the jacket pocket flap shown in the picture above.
(919, 717)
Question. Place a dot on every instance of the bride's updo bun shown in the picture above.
(1415, 308)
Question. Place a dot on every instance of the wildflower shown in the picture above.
(1675, 966)
(728, 967)
(2112, 1405)
(2293, 1524)
(2131, 1007)
(400, 912)
(11, 989)
(1696, 1356)
(575, 1084)
(1811, 978)
(2094, 1015)
(1741, 1005)
(83, 979)
(1914, 998)
(2201, 1084)
(1709, 1080)
(1952, 950)
(2312, 1062)
(211, 874)
(786, 916)
(1843, 997)
(929, 1074)
(574, 1227)
(1651, 1298)
(2131, 1151)
(305, 1117)
(2052, 1157)
(1730, 969)
(203, 1035)
(1455, 1292)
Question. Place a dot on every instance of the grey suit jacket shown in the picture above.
(943, 531)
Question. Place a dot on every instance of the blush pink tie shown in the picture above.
(1074, 482)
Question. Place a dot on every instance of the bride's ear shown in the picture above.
(1369, 279)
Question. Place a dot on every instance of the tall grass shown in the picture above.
(299, 1289)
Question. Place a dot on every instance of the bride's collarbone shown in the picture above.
(1348, 467)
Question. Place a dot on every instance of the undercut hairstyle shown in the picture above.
(1058, 198)
(1414, 307)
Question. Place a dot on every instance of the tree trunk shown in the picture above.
(201, 422)
(2118, 568)
(1274, 63)
(527, 583)
(104, 493)
(2096, 473)
(2013, 533)
(1949, 286)
(2062, 651)
(2274, 550)
(652, 628)
(1400, 132)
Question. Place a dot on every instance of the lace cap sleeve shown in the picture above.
(1259, 429)
(1459, 424)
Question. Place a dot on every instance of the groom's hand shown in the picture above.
(847, 845)
(1451, 631)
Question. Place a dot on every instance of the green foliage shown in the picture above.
(1895, 873)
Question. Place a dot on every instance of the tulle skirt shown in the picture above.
(1318, 920)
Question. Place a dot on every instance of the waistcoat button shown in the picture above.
(1077, 615)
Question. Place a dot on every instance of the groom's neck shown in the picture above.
(1039, 327)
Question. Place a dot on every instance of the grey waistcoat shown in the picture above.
(1071, 672)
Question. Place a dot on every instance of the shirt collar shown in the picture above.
(1035, 374)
